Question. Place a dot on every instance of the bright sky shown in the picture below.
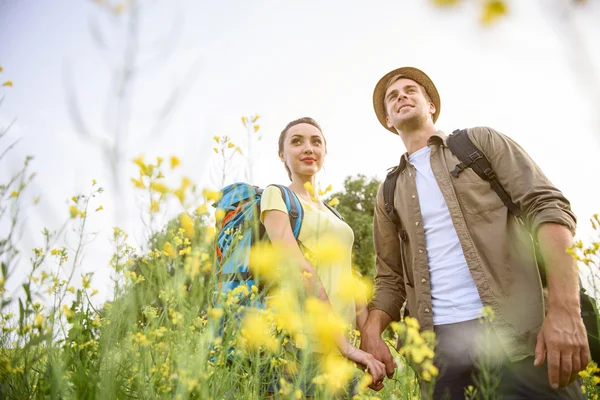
(285, 60)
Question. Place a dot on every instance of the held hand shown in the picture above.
(371, 342)
(371, 365)
(563, 338)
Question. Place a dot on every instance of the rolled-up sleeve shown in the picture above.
(390, 293)
(539, 200)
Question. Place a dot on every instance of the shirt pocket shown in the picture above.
(475, 195)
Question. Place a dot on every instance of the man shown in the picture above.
(464, 250)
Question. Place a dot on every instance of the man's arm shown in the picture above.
(548, 215)
(562, 337)
(389, 292)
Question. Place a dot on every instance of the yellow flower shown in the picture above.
(216, 150)
(211, 195)
(188, 224)
(257, 333)
(219, 214)
(334, 202)
(85, 282)
(216, 313)
(74, 211)
(230, 145)
(338, 370)
(159, 161)
(144, 169)
(202, 209)
(266, 261)
(1, 69)
(93, 182)
(492, 10)
(256, 128)
(14, 194)
(8, 83)
(100, 208)
(308, 186)
(39, 320)
(244, 121)
(445, 3)
(216, 139)
(175, 162)
(67, 311)
(325, 326)
(138, 183)
(329, 250)
(355, 288)
(154, 206)
(169, 250)
(71, 289)
(284, 304)
(159, 187)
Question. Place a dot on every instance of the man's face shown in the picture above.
(407, 105)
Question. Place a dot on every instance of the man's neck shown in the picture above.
(416, 139)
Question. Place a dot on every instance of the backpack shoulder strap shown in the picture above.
(389, 188)
(334, 211)
(471, 157)
(294, 207)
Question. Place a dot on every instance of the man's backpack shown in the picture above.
(471, 157)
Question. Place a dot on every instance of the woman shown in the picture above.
(302, 149)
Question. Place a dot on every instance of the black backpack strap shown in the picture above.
(471, 157)
(334, 211)
(389, 190)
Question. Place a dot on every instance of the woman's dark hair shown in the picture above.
(303, 120)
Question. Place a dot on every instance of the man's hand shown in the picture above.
(563, 338)
(371, 342)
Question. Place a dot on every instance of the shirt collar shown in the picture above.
(439, 138)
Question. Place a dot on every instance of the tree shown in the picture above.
(357, 205)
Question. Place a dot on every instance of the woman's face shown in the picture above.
(303, 149)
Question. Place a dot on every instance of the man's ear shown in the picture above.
(388, 122)
(281, 157)
(432, 108)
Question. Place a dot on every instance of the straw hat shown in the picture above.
(407, 72)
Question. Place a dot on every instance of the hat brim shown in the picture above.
(413, 74)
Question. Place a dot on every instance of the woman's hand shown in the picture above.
(370, 364)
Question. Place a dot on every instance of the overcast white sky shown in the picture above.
(285, 60)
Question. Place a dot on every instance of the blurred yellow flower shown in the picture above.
(329, 251)
(154, 206)
(216, 139)
(256, 128)
(1, 69)
(334, 202)
(339, 372)
(188, 224)
(211, 195)
(202, 209)
(138, 183)
(144, 169)
(286, 310)
(175, 162)
(324, 325)
(444, 3)
(492, 10)
(159, 187)
(14, 194)
(169, 250)
(219, 214)
(355, 288)
(257, 333)
(216, 313)
(100, 208)
(230, 145)
(244, 121)
(8, 83)
(216, 150)
(74, 211)
(266, 261)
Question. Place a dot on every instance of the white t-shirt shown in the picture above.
(453, 292)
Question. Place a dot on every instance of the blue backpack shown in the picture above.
(239, 229)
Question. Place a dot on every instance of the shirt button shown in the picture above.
(421, 251)
(417, 223)
(414, 197)
(410, 174)
(423, 280)
(427, 311)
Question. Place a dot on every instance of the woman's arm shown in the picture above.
(277, 225)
